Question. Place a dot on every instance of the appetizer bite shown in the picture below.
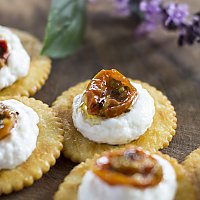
(30, 141)
(192, 166)
(113, 110)
(127, 174)
(23, 70)
(110, 111)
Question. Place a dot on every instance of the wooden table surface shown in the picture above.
(110, 43)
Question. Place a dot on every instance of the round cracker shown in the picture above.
(192, 166)
(49, 145)
(69, 188)
(40, 67)
(78, 148)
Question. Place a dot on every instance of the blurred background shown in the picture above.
(110, 43)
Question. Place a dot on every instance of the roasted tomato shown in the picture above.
(109, 94)
(7, 120)
(3, 52)
(132, 167)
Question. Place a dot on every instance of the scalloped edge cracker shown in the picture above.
(192, 166)
(49, 145)
(78, 148)
(69, 188)
(40, 67)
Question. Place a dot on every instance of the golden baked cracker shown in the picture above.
(192, 166)
(40, 67)
(69, 188)
(49, 145)
(78, 148)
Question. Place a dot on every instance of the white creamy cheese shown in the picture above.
(18, 62)
(18, 146)
(121, 129)
(92, 187)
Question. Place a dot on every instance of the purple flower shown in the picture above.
(152, 12)
(176, 14)
(145, 28)
(150, 8)
(122, 7)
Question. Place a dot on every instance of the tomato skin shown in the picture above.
(131, 167)
(109, 94)
(8, 119)
(3, 52)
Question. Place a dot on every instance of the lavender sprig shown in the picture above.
(123, 7)
(176, 14)
(171, 16)
(190, 34)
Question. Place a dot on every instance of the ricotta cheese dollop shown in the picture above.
(121, 129)
(92, 187)
(18, 146)
(18, 61)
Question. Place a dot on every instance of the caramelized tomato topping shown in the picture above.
(109, 94)
(3, 53)
(132, 167)
(7, 120)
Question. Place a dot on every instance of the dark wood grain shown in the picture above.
(110, 43)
